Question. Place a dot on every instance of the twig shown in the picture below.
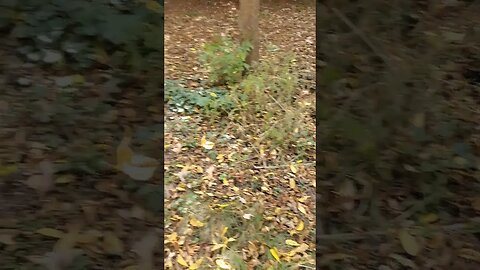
(280, 105)
(358, 32)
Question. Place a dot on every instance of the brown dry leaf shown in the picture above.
(348, 190)
(112, 244)
(57, 260)
(181, 261)
(144, 248)
(409, 242)
(476, 204)
(43, 182)
(469, 254)
(196, 223)
(7, 237)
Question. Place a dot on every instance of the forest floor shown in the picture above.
(398, 135)
(63, 110)
(241, 203)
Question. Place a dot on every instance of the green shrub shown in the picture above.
(225, 60)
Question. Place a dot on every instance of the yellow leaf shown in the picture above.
(301, 208)
(223, 264)
(196, 223)
(292, 183)
(292, 243)
(274, 253)
(206, 144)
(196, 264)
(409, 243)
(181, 260)
(50, 232)
(218, 246)
(172, 238)
(303, 199)
(224, 231)
(293, 168)
(300, 226)
(153, 5)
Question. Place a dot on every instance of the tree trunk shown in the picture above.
(248, 23)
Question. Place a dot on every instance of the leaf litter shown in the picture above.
(231, 202)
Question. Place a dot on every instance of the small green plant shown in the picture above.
(267, 95)
(225, 60)
(210, 101)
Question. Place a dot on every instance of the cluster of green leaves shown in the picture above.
(225, 60)
(211, 100)
(57, 31)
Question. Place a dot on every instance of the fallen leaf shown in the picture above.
(153, 5)
(293, 168)
(301, 208)
(300, 226)
(274, 253)
(7, 237)
(348, 190)
(206, 144)
(196, 223)
(57, 260)
(181, 261)
(409, 243)
(50, 232)
(196, 264)
(144, 247)
(42, 183)
(112, 244)
(292, 243)
(65, 179)
(469, 254)
(223, 264)
(292, 183)
(7, 169)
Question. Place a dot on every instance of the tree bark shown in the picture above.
(248, 24)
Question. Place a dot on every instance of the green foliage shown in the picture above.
(225, 60)
(59, 32)
(209, 101)
(267, 96)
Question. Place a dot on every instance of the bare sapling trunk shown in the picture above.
(248, 24)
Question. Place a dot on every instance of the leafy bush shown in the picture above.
(267, 95)
(209, 101)
(84, 32)
(225, 60)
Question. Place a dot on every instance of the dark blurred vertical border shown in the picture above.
(318, 198)
(74, 75)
